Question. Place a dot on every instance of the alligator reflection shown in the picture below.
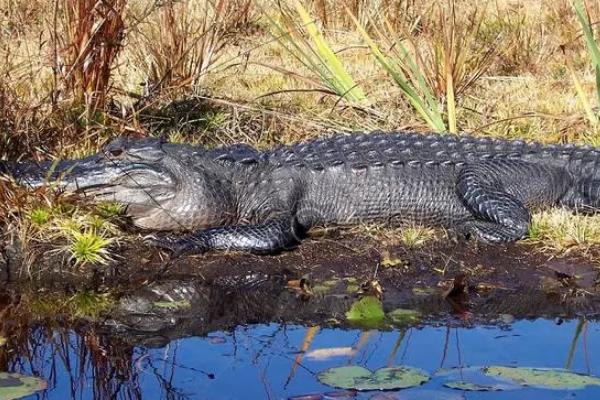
(184, 341)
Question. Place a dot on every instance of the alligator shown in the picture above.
(241, 198)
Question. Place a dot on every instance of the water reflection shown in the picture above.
(268, 361)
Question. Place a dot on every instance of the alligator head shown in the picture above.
(163, 186)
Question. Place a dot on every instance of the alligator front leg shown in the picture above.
(270, 237)
(499, 216)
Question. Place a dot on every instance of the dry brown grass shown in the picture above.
(220, 49)
(87, 38)
(74, 73)
(177, 44)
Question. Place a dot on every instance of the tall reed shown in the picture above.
(87, 37)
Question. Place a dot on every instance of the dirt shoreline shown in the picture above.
(473, 281)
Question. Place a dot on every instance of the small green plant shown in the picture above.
(415, 236)
(40, 216)
(305, 42)
(89, 247)
(109, 209)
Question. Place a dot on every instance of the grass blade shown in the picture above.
(421, 104)
(587, 33)
(338, 72)
(594, 55)
(587, 107)
(451, 104)
(312, 50)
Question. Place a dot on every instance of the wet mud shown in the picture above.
(158, 299)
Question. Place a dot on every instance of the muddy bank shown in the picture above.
(157, 299)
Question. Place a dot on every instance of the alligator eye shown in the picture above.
(115, 152)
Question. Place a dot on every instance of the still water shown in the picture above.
(272, 361)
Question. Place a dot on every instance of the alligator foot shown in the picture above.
(491, 232)
(177, 245)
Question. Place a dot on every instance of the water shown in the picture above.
(265, 362)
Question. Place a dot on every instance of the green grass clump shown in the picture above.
(89, 247)
(409, 236)
(415, 236)
(40, 216)
(109, 209)
(89, 237)
(561, 231)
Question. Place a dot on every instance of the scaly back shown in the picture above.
(363, 150)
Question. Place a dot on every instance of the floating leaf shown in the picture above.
(546, 378)
(359, 378)
(418, 394)
(338, 394)
(367, 312)
(15, 386)
(507, 378)
(402, 316)
(477, 387)
(474, 379)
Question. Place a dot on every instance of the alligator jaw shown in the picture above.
(90, 176)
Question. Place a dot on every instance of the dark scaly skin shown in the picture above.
(237, 198)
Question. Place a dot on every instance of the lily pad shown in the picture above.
(15, 386)
(546, 378)
(359, 378)
(495, 378)
(339, 394)
(401, 316)
(418, 394)
(367, 312)
(474, 379)
(477, 387)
